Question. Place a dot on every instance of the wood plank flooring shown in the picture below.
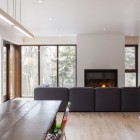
(102, 126)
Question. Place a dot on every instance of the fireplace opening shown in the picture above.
(101, 78)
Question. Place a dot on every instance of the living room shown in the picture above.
(57, 43)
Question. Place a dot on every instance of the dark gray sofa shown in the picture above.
(52, 93)
(81, 98)
(130, 99)
(90, 99)
(107, 99)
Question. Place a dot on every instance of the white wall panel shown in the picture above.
(100, 52)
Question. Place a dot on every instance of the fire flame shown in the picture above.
(103, 86)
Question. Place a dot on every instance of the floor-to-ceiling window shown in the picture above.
(131, 65)
(67, 66)
(51, 65)
(48, 65)
(29, 69)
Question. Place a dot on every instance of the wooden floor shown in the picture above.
(102, 126)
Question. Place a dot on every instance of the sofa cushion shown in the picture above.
(130, 99)
(107, 99)
(52, 93)
(82, 99)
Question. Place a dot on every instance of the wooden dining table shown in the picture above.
(27, 119)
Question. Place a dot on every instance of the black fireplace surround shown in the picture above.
(101, 78)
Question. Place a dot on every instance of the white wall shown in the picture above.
(1, 69)
(50, 40)
(100, 52)
(7, 6)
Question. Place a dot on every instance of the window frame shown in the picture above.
(39, 46)
(136, 62)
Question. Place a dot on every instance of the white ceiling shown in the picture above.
(72, 17)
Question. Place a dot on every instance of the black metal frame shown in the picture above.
(136, 62)
(102, 70)
(39, 46)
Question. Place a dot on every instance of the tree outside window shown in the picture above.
(51, 65)
(29, 70)
(131, 65)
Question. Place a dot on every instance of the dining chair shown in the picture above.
(59, 133)
(65, 119)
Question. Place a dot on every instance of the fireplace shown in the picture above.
(101, 78)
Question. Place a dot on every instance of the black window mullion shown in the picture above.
(130, 71)
(57, 66)
(38, 65)
(136, 62)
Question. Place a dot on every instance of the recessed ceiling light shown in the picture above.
(132, 35)
(50, 19)
(104, 29)
(40, 1)
(56, 29)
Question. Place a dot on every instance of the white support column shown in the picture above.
(1, 69)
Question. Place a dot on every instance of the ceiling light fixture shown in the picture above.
(50, 19)
(40, 1)
(8, 19)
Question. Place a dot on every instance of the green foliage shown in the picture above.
(55, 129)
(58, 126)
(48, 67)
(129, 58)
(67, 66)
(130, 78)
